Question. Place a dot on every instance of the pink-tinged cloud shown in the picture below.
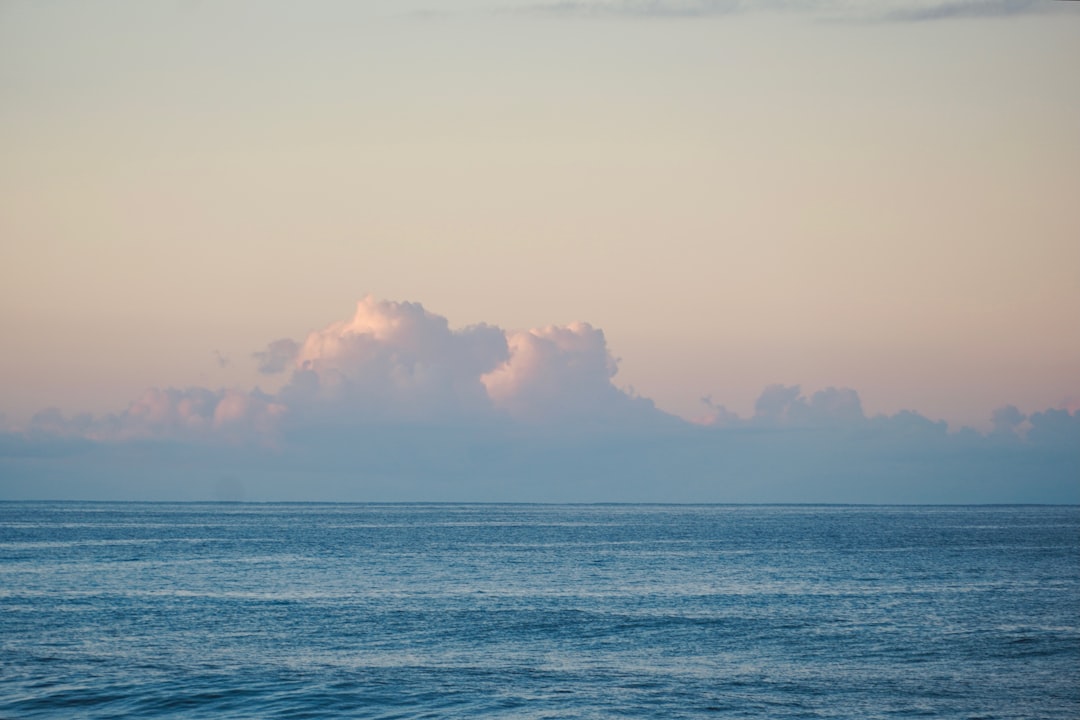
(398, 362)
(194, 413)
(392, 403)
(393, 362)
(190, 414)
(555, 373)
(716, 416)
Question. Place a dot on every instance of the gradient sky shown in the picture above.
(880, 199)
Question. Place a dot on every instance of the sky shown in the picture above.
(656, 220)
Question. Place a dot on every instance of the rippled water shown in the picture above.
(519, 611)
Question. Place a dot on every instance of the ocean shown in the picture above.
(538, 611)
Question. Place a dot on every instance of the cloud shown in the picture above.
(717, 415)
(395, 362)
(51, 421)
(835, 406)
(1007, 421)
(924, 11)
(648, 8)
(775, 405)
(1056, 428)
(783, 406)
(389, 363)
(398, 362)
(277, 357)
(839, 10)
(225, 415)
(392, 403)
(561, 373)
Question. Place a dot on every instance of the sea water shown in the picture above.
(538, 611)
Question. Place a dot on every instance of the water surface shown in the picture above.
(538, 611)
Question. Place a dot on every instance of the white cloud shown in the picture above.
(560, 373)
(398, 362)
(394, 362)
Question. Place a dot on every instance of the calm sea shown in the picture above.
(538, 611)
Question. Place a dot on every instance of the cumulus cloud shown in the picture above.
(784, 406)
(717, 415)
(398, 362)
(836, 406)
(277, 357)
(390, 363)
(777, 405)
(560, 373)
(1007, 421)
(1056, 428)
(394, 361)
(52, 421)
(392, 403)
(174, 414)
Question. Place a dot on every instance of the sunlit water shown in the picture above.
(519, 611)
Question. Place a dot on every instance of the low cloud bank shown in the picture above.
(785, 407)
(394, 404)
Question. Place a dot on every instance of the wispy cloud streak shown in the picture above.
(835, 10)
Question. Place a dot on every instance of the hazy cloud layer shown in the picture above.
(841, 10)
(394, 404)
(195, 413)
(784, 406)
(917, 12)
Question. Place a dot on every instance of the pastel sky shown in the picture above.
(738, 195)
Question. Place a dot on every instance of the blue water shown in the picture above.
(519, 611)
